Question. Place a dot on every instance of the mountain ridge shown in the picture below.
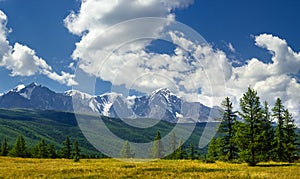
(160, 104)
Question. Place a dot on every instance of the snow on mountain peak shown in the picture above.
(77, 93)
(18, 88)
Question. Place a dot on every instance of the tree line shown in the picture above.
(41, 150)
(158, 149)
(249, 135)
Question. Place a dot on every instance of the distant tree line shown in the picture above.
(157, 151)
(250, 136)
(41, 150)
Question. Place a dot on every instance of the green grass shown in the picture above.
(110, 168)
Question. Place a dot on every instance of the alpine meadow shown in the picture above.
(149, 89)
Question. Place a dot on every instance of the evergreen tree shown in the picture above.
(278, 115)
(51, 151)
(228, 148)
(126, 151)
(191, 152)
(157, 149)
(180, 153)
(66, 150)
(290, 137)
(213, 150)
(268, 133)
(250, 131)
(19, 149)
(173, 144)
(76, 152)
(4, 147)
(42, 151)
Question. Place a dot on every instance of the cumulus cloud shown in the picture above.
(23, 61)
(117, 52)
(272, 80)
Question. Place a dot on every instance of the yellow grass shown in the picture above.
(109, 168)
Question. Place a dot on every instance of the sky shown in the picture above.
(252, 43)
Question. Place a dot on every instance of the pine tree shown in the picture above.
(157, 149)
(180, 153)
(290, 137)
(19, 149)
(268, 133)
(250, 131)
(228, 148)
(126, 151)
(278, 115)
(51, 151)
(4, 147)
(173, 144)
(42, 149)
(191, 152)
(76, 152)
(66, 150)
(213, 150)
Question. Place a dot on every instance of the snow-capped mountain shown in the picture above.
(160, 104)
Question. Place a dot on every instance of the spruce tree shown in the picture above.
(278, 115)
(268, 133)
(213, 150)
(42, 151)
(126, 151)
(180, 153)
(4, 147)
(51, 151)
(290, 137)
(191, 152)
(228, 147)
(250, 131)
(19, 149)
(157, 149)
(173, 144)
(76, 152)
(66, 150)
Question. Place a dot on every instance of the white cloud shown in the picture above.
(202, 68)
(23, 61)
(272, 80)
(231, 48)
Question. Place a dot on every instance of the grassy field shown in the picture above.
(109, 168)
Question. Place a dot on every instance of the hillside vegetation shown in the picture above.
(54, 126)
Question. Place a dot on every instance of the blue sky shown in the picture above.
(252, 28)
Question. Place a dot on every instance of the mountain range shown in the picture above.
(161, 104)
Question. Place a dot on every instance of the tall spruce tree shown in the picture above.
(180, 153)
(158, 148)
(191, 153)
(76, 152)
(290, 137)
(66, 150)
(4, 147)
(278, 115)
(213, 150)
(250, 131)
(126, 151)
(19, 149)
(228, 147)
(42, 149)
(268, 133)
(173, 144)
(51, 151)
